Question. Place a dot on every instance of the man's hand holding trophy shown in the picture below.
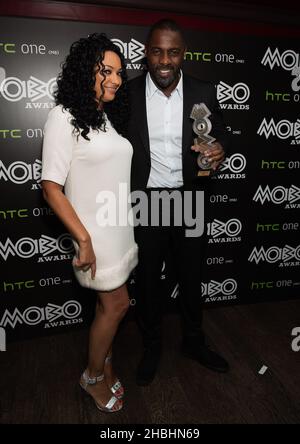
(211, 153)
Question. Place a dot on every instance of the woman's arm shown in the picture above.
(54, 196)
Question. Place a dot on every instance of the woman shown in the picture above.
(85, 154)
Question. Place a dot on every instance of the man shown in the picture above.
(164, 159)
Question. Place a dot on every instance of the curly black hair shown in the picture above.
(75, 87)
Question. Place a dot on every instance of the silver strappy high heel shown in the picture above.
(85, 381)
(117, 389)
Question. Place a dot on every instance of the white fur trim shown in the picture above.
(109, 278)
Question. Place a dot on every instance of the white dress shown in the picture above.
(87, 169)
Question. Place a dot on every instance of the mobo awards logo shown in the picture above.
(284, 129)
(133, 51)
(20, 172)
(26, 248)
(232, 167)
(287, 256)
(289, 60)
(289, 196)
(215, 291)
(49, 314)
(238, 93)
(14, 89)
(224, 232)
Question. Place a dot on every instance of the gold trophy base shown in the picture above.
(204, 173)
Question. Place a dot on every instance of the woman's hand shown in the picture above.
(86, 259)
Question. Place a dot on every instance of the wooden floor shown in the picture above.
(39, 378)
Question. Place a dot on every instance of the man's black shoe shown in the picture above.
(205, 357)
(147, 367)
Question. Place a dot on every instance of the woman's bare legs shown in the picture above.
(111, 308)
(109, 373)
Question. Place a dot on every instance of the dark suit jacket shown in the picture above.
(194, 91)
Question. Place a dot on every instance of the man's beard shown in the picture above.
(165, 82)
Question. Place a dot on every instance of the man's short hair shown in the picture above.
(165, 24)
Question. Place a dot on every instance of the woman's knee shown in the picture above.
(115, 305)
(121, 306)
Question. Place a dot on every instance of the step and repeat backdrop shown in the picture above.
(253, 223)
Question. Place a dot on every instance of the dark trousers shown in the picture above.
(188, 254)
